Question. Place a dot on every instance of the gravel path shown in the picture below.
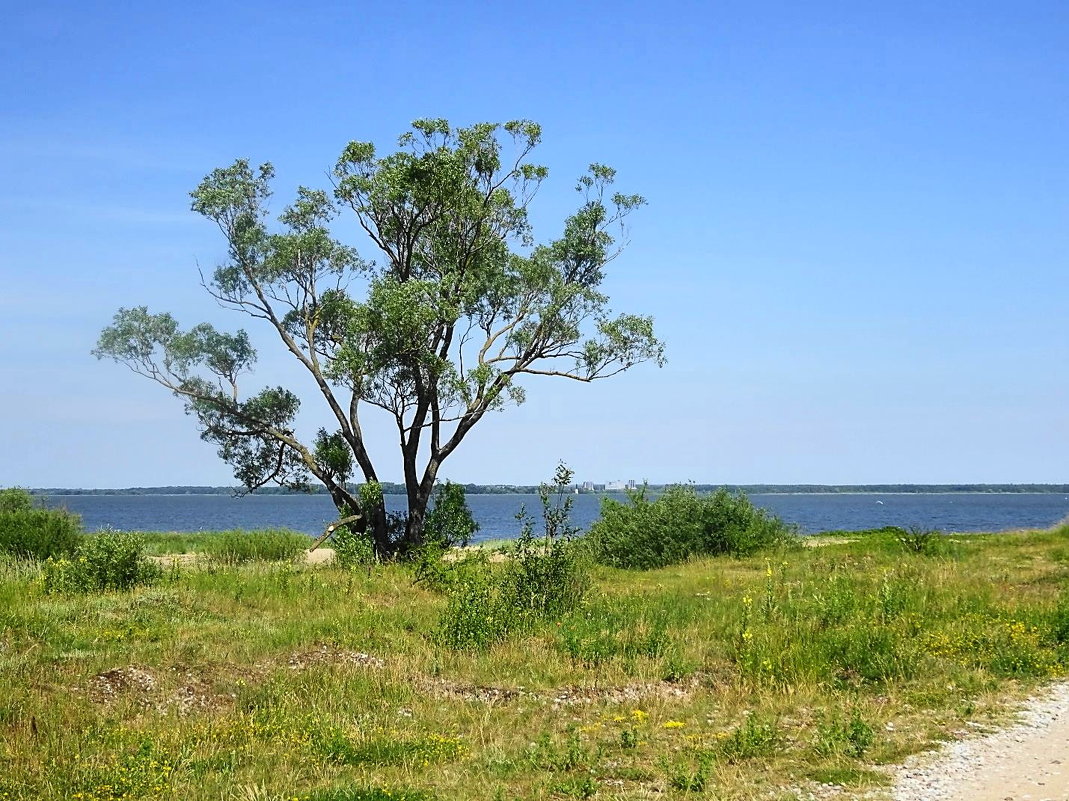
(1027, 762)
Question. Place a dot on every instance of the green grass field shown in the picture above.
(722, 678)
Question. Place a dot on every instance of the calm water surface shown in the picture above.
(496, 513)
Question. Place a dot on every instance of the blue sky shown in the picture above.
(856, 242)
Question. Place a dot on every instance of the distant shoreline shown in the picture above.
(751, 489)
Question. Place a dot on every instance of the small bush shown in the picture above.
(352, 549)
(108, 560)
(544, 580)
(475, 616)
(449, 524)
(681, 524)
(925, 541)
(34, 533)
(238, 547)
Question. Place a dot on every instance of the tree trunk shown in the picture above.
(419, 498)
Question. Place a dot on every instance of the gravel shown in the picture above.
(1029, 761)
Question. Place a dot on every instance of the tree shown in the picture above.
(462, 305)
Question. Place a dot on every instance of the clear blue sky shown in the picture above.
(856, 244)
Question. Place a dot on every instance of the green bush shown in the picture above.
(475, 616)
(108, 560)
(681, 524)
(352, 548)
(237, 547)
(449, 524)
(544, 579)
(34, 533)
(925, 541)
(15, 499)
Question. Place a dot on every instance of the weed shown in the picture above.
(353, 549)
(852, 737)
(752, 739)
(687, 776)
(385, 748)
(544, 579)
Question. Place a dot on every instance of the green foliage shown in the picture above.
(353, 549)
(544, 579)
(30, 532)
(237, 547)
(754, 738)
(620, 628)
(920, 540)
(852, 737)
(449, 523)
(679, 525)
(15, 499)
(379, 749)
(107, 560)
(476, 615)
(142, 772)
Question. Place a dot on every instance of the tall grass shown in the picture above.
(739, 677)
(237, 546)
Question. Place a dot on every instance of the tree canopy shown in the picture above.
(459, 307)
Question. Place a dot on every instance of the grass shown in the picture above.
(229, 547)
(722, 678)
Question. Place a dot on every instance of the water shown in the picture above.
(496, 513)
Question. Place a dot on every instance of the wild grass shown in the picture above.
(229, 547)
(727, 678)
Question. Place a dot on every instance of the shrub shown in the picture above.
(15, 499)
(35, 533)
(352, 548)
(108, 560)
(681, 524)
(925, 541)
(475, 616)
(449, 524)
(544, 579)
(237, 547)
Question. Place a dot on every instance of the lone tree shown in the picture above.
(461, 305)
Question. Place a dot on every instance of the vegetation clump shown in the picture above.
(32, 532)
(544, 578)
(643, 534)
(107, 560)
(271, 545)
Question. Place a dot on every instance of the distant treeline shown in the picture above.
(391, 488)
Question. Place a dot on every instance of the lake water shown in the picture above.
(496, 514)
